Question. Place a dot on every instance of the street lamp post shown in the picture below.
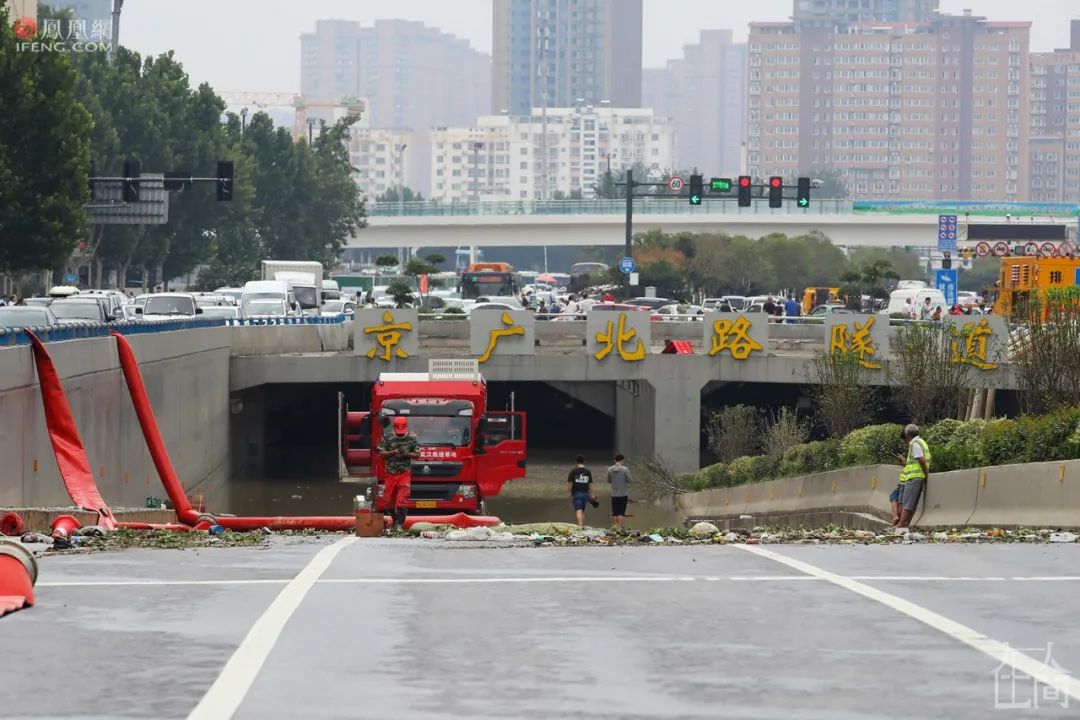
(243, 120)
(476, 148)
(310, 131)
(401, 178)
(117, 5)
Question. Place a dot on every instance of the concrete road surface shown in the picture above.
(347, 628)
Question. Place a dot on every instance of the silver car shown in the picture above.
(18, 317)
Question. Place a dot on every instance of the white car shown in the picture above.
(680, 313)
(169, 306)
(488, 306)
(229, 312)
(18, 317)
(339, 307)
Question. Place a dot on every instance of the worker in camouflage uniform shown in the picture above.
(398, 450)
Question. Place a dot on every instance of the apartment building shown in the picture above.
(932, 110)
(384, 159)
(1054, 147)
(502, 156)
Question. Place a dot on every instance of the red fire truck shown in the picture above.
(467, 452)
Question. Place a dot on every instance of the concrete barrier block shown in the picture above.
(949, 499)
(1036, 494)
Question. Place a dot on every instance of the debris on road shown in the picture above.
(704, 529)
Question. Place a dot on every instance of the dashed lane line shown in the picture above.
(224, 697)
(999, 651)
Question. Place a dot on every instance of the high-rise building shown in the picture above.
(1054, 148)
(410, 77)
(381, 159)
(930, 110)
(558, 53)
(840, 12)
(21, 8)
(704, 94)
(501, 157)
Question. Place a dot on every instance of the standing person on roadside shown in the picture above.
(398, 449)
(769, 308)
(618, 476)
(913, 475)
(579, 486)
(926, 311)
(791, 308)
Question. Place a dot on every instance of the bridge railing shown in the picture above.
(56, 333)
(643, 205)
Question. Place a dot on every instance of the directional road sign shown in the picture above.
(675, 183)
(948, 232)
(720, 185)
(946, 282)
(627, 265)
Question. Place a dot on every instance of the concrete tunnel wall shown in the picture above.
(187, 378)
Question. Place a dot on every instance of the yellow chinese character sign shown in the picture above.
(970, 344)
(386, 335)
(508, 329)
(619, 335)
(857, 338)
(732, 334)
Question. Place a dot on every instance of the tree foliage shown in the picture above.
(842, 392)
(930, 386)
(391, 195)
(44, 157)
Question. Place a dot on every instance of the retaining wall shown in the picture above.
(187, 378)
(1035, 494)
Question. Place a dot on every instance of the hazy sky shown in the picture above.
(254, 44)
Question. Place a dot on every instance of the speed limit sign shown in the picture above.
(982, 249)
(675, 184)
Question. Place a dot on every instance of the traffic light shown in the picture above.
(776, 192)
(744, 191)
(225, 180)
(946, 261)
(803, 195)
(130, 186)
(697, 189)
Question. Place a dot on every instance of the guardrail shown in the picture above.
(644, 205)
(10, 337)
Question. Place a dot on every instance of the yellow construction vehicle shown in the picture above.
(1022, 276)
(812, 297)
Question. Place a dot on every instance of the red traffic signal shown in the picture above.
(744, 191)
(776, 191)
(744, 181)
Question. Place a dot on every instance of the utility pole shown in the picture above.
(630, 185)
(117, 5)
(310, 131)
(401, 178)
(243, 120)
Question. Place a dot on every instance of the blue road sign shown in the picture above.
(946, 281)
(947, 233)
(627, 265)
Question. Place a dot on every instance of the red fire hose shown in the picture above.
(18, 574)
(67, 445)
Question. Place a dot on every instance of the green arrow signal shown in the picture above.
(804, 202)
(695, 199)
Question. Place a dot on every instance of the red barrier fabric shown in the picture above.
(67, 445)
(139, 399)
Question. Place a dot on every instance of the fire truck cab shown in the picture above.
(467, 452)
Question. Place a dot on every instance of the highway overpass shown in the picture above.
(602, 222)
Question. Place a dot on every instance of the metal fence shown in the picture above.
(56, 333)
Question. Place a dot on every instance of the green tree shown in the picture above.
(386, 263)
(903, 263)
(416, 266)
(391, 195)
(44, 157)
(984, 272)
(400, 292)
(436, 259)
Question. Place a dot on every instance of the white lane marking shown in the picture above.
(505, 580)
(232, 684)
(594, 579)
(999, 651)
(129, 583)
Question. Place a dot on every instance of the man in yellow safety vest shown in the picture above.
(913, 475)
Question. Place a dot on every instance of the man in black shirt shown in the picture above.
(579, 486)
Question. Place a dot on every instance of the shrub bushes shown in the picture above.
(954, 445)
(871, 445)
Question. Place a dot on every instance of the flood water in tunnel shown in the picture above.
(298, 473)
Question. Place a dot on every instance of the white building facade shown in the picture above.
(381, 159)
(503, 157)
